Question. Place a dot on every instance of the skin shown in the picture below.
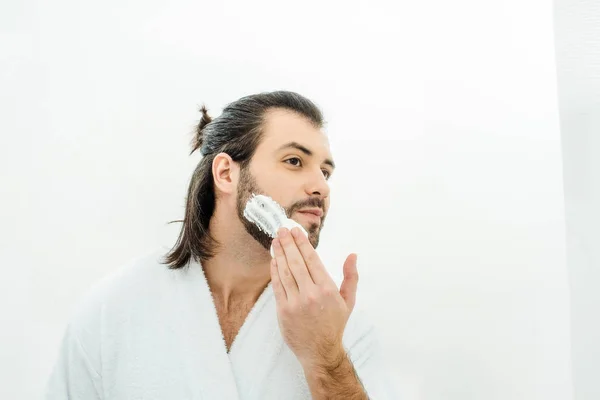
(312, 312)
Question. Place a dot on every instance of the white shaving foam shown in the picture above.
(272, 213)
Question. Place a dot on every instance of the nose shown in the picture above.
(317, 185)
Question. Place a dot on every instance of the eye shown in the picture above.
(296, 164)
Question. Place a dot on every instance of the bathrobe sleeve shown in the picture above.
(76, 373)
(366, 353)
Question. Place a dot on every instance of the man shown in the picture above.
(218, 318)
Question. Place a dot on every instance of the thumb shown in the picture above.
(350, 283)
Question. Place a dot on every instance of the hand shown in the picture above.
(312, 313)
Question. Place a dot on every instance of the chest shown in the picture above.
(158, 354)
(231, 320)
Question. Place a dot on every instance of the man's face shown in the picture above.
(291, 165)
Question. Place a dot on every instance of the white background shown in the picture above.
(444, 121)
(578, 60)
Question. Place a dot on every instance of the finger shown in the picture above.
(295, 261)
(350, 283)
(285, 275)
(313, 263)
(278, 289)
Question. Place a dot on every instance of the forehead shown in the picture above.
(284, 126)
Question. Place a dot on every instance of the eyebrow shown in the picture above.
(305, 150)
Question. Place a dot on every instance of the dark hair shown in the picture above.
(236, 132)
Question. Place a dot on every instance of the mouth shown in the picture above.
(314, 211)
(311, 216)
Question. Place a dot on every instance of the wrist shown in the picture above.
(334, 376)
(326, 362)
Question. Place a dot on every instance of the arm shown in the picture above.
(336, 379)
(316, 321)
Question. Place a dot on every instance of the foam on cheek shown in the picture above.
(268, 216)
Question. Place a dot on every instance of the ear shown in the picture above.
(225, 173)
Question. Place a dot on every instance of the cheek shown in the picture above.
(281, 190)
(278, 183)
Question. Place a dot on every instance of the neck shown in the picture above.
(239, 271)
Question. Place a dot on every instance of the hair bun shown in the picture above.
(198, 139)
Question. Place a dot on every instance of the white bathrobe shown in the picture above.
(147, 332)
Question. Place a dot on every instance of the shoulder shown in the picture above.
(365, 350)
(121, 289)
(360, 335)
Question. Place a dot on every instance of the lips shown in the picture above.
(314, 211)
